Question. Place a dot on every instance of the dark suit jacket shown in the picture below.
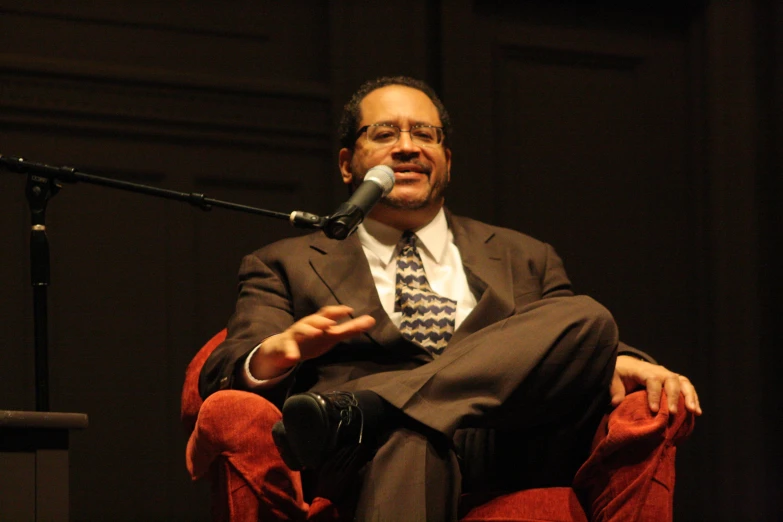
(293, 278)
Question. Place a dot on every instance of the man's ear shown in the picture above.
(344, 160)
(448, 165)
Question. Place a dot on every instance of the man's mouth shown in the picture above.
(410, 170)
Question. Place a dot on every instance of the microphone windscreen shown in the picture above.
(383, 175)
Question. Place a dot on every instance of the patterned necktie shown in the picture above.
(427, 318)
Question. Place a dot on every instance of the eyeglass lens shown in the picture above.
(388, 134)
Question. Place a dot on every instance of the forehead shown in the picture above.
(398, 104)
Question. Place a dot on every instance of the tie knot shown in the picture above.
(408, 239)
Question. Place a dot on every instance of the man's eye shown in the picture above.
(383, 135)
(424, 135)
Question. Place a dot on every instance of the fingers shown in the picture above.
(325, 323)
(351, 327)
(656, 380)
(654, 387)
(675, 385)
(290, 351)
(335, 312)
(318, 322)
(316, 334)
(310, 326)
(617, 390)
(672, 387)
(309, 337)
(691, 397)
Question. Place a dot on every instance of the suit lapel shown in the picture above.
(488, 269)
(343, 268)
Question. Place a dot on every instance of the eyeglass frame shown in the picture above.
(442, 133)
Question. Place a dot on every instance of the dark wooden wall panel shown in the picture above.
(249, 40)
(16, 354)
(735, 127)
(109, 355)
(223, 236)
(604, 180)
(586, 149)
(234, 103)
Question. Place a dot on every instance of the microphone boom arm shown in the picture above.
(71, 175)
(43, 183)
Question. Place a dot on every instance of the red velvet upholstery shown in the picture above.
(629, 475)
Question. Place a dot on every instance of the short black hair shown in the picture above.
(349, 121)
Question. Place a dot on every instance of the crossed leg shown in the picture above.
(547, 368)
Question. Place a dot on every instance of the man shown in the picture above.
(507, 363)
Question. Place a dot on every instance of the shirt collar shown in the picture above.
(381, 239)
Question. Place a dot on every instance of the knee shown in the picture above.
(594, 317)
(591, 310)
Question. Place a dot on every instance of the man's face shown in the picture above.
(421, 172)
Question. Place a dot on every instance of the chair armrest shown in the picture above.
(630, 473)
(191, 400)
(234, 424)
(237, 426)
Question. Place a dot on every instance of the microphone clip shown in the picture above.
(301, 219)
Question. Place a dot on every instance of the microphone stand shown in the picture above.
(43, 183)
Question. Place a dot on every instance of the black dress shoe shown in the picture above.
(317, 425)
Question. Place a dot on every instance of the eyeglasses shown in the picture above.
(384, 134)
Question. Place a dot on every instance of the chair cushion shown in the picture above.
(550, 504)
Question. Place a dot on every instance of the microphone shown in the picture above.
(377, 183)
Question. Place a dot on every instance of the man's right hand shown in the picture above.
(307, 338)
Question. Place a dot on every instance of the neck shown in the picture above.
(404, 219)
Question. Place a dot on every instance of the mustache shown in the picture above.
(421, 167)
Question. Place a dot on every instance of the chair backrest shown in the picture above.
(191, 399)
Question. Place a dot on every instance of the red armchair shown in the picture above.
(629, 475)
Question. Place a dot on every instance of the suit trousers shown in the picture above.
(540, 377)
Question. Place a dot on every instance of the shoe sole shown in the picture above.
(307, 428)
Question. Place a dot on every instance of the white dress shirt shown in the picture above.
(440, 256)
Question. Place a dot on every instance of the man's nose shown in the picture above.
(406, 145)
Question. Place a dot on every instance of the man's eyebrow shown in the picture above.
(424, 123)
(414, 123)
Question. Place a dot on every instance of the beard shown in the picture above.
(435, 194)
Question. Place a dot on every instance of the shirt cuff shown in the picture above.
(261, 384)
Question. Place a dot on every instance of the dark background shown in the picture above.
(644, 142)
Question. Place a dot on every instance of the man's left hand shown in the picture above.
(631, 374)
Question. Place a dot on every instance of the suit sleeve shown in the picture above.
(554, 281)
(263, 308)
